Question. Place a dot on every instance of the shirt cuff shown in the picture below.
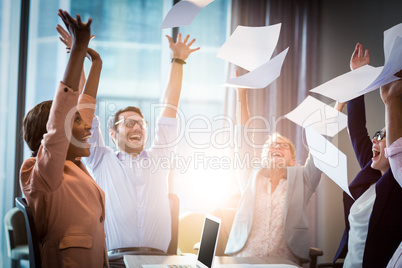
(95, 122)
(394, 148)
(86, 108)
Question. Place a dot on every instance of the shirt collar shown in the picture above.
(121, 155)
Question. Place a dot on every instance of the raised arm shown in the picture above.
(66, 39)
(180, 52)
(391, 95)
(91, 86)
(243, 113)
(244, 149)
(80, 33)
(53, 151)
(356, 113)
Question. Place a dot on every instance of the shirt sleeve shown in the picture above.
(394, 154)
(46, 174)
(244, 158)
(166, 137)
(358, 134)
(98, 147)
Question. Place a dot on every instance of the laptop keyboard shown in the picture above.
(181, 266)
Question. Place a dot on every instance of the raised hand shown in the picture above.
(392, 90)
(80, 32)
(65, 37)
(358, 59)
(181, 49)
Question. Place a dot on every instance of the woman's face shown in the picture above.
(81, 132)
(280, 154)
(379, 161)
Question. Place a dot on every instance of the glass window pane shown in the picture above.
(9, 36)
(136, 58)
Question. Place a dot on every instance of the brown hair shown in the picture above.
(115, 117)
(34, 125)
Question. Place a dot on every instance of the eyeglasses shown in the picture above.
(379, 135)
(283, 145)
(130, 123)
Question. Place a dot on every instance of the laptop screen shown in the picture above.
(209, 239)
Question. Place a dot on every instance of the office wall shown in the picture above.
(343, 24)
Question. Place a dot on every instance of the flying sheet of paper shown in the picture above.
(183, 13)
(262, 76)
(250, 47)
(367, 78)
(389, 37)
(328, 158)
(325, 119)
(391, 66)
(349, 85)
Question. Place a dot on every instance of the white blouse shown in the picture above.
(359, 217)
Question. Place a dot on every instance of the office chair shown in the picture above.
(16, 236)
(174, 213)
(33, 242)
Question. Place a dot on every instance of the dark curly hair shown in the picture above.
(34, 125)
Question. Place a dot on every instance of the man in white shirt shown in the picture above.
(135, 181)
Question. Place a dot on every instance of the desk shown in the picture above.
(136, 261)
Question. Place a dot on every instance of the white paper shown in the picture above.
(367, 78)
(325, 119)
(262, 76)
(328, 159)
(183, 13)
(250, 47)
(389, 38)
(391, 67)
(349, 85)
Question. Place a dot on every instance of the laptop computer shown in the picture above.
(206, 252)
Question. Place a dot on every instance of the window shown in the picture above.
(9, 35)
(136, 61)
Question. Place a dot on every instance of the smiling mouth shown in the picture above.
(376, 153)
(85, 139)
(135, 137)
(277, 154)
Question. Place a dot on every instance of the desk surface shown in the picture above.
(136, 261)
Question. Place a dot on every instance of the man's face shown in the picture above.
(130, 134)
(379, 161)
(279, 154)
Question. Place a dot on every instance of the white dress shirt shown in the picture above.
(136, 189)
